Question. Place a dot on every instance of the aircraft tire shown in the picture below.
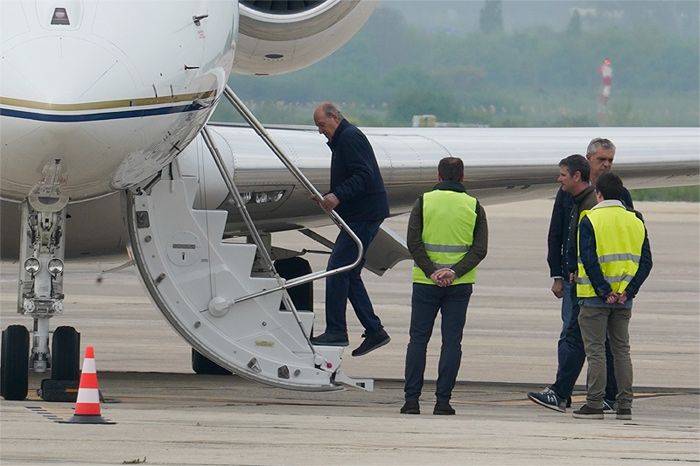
(65, 354)
(302, 295)
(204, 366)
(14, 363)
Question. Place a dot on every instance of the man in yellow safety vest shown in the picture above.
(447, 237)
(614, 259)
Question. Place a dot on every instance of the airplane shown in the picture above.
(106, 145)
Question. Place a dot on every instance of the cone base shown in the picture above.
(87, 419)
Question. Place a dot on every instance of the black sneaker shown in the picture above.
(443, 408)
(586, 412)
(548, 399)
(372, 342)
(330, 339)
(609, 406)
(410, 407)
(624, 414)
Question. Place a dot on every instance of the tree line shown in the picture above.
(391, 70)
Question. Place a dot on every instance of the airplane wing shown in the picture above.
(501, 165)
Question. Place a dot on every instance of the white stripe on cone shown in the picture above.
(88, 395)
(89, 366)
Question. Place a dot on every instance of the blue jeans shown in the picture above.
(571, 353)
(567, 311)
(452, 301)
(348, 285)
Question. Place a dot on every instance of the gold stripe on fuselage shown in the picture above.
(106, 104)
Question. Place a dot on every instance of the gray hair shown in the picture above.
(599, 143)
(330, 110)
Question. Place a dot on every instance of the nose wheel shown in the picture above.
(65, 354)
(14, 362)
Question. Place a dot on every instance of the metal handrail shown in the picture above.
(337, 219)
(228, 180)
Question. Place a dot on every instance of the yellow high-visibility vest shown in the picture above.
(619, 236)
(449, 218)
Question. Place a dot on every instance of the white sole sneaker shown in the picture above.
(547, 405)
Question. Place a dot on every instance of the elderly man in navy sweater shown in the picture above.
(357, 194)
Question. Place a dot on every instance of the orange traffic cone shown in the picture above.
(87, 407)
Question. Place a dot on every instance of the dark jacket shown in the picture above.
(558, 235)
(589, 258)
(355, 177)
(585, 200)
(414, 236)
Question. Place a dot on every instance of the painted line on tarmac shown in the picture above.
(45, 413)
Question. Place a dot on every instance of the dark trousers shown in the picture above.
(452, 302)
(348, 285)
(571, 352)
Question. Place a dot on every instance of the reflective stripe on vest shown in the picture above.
(619, 236)
(608, 278)
(445, 248)
(449, 218)
(617, 257)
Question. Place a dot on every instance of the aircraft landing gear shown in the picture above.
(40, 289)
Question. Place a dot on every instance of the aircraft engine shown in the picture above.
(283, 36)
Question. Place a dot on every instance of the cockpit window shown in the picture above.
(60, 17)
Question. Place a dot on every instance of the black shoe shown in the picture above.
(443, 408)
(330, 339)
(609, 406)
(568, 402)
(624, 414)
(410, 407)
(586, 412)
(372, 342)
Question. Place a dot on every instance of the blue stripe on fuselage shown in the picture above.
(8, 112)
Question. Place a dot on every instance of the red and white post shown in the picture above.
(606, 76)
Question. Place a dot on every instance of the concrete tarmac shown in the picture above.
(166, 415)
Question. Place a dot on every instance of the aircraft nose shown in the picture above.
(55, 91)
(61, 76)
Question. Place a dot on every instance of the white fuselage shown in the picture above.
(115, 94)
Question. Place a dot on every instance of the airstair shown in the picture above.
(205, 286)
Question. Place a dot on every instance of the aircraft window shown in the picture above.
(60, 17)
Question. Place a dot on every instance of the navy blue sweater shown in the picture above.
(355, 177)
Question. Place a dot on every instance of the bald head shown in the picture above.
(327, 117)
